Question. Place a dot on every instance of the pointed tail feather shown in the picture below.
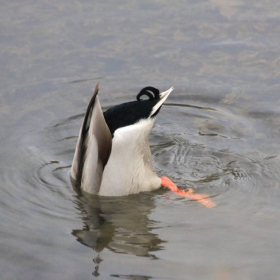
(163, 96)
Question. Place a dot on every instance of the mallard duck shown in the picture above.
(113, 156)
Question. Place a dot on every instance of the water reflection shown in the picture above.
(120, 224)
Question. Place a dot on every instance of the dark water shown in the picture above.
(218, 133)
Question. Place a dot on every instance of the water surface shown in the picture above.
(217, 133)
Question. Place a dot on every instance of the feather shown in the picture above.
(129, 168)
(93, 148)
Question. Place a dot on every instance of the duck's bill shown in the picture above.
(204, 199)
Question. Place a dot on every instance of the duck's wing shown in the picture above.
(93, 148)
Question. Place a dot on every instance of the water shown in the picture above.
(218, 133)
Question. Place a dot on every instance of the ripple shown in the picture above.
(180, 150)
(218, 168)
(183, 149)
(200, 147)
(40, 181)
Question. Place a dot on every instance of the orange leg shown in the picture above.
(201, 198)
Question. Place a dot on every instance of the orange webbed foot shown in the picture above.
(201, 198)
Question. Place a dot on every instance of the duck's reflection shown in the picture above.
(120, 224)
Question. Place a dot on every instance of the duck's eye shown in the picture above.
(151, 92)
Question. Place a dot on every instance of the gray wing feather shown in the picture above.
(93, 148)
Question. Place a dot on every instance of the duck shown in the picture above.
(113, 156)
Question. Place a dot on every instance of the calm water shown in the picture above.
(218, 133)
